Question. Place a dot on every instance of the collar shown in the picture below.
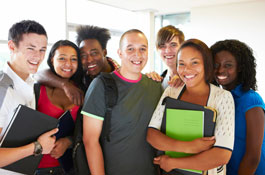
(237, 92)
(125, 79)
(16, 79)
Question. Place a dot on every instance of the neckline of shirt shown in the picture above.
(125, 79)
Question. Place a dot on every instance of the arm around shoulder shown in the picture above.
(48, 78)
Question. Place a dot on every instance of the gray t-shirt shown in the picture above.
(128, 151)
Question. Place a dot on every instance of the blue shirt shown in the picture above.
(244, 101)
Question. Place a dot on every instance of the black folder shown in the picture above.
(25, 127)
(66, 125)
(66, 128)
(209, 121)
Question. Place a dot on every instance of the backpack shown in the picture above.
(79, 153)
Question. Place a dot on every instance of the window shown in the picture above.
(181, 21)
(60, 18)
(4, 54)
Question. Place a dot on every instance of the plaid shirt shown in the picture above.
(113, 63)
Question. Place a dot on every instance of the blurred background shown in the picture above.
(207, 20)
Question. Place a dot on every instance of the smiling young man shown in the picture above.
(169, 39)
(92, 41)
(128, 151)
(27, 42)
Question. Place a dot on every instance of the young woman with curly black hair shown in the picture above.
(235, 70)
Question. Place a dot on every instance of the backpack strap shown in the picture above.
(164, 74)
(111, 97)
(37, 93)
(163, 124)
(5, 83)
(5, 80)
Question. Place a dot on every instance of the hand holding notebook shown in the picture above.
(25, 127)
(187, 122)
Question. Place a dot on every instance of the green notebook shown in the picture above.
(184, 125)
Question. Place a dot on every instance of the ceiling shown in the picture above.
(163, 6)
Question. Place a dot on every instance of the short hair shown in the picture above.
(167, 33)
(128, 32)
(245, 59)
(24, 27)
(78, 75)
(85, 32)
(206, 55)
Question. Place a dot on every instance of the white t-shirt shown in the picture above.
(219, 99)
(20, 93)
(6, 172)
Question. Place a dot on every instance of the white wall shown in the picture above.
(55, 17)
(51, 14)
(244, 21)
(92, 13)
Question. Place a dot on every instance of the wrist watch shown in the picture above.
(37, 149)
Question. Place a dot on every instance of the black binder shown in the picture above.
(66, 125)
(66, 128)
(209, 122)
(25, 127)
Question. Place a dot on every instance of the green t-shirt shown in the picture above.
(128, 152)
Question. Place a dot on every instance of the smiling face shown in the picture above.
(191, 67)
(92, 56)
(28, 54)
(133, 54)
(65, 61)
(168, 52)
(225, 68)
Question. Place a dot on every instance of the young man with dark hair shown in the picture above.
(27, 42)
(128, 151)
(92, 41)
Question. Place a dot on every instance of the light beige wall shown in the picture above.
(244, 21)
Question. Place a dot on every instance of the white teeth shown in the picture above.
(91, 66)
(189, 76)
(33, 62)
(67, 70)
(221, 77)
(169, 57)
(136, 62)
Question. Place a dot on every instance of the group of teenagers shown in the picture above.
(222, 77)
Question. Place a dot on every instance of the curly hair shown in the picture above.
(245, 60)
(85, 32)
